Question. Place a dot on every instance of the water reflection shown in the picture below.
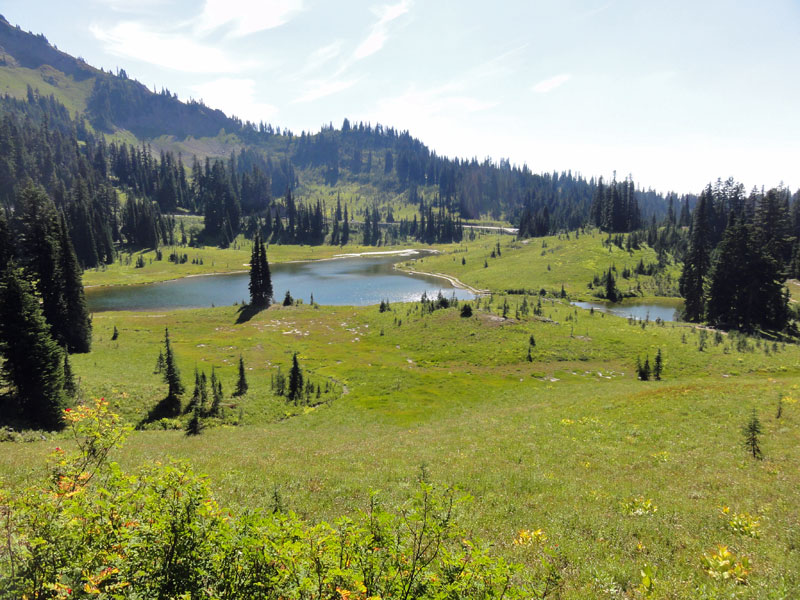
(346, 281)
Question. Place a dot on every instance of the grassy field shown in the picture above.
(617, 472)
(14, 81)
(561, 443)
(549, 263)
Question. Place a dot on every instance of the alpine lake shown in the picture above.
(350, 280)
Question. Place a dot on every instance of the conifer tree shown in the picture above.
(172, 376)
(77, 331)
(195, 424)
(33, 366)
(216, 394)
(195, 399)
(295, 380)
(241, 384)
(70, 387)
(752, 432)
(159, 363)
(287, 299)
(745, 288)
(697, 262)
(658, 366)
(260, 276)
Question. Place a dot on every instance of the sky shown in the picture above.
(677, 93)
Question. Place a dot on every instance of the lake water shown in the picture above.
(344, 281)
(648, 309)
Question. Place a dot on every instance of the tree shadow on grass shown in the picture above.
(247, 312)
(168, 408)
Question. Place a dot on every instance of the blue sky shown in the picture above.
(676, 93)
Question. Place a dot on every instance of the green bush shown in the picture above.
(93, 530)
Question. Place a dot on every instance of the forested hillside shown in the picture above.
(378, 160)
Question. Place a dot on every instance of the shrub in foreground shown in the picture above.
(93, 530)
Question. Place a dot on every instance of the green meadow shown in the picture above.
(619, 474)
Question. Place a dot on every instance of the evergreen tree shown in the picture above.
(172, 376)
(260, 276)
(241, 384)
(216, 394)
(658, 366)
(159, 363)
(752, 431)
(33, 367)
(611, 291)
(295, 380)
(6, 248)
(287, 299)
(195, 424)
(195, 399)
(77, 331)
(697, 262)
(70, 387)
(745, 289)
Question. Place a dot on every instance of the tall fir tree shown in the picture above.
(745, 289)
(260, 276)
(241, 383)
(697, 262)
(77, 331)
(172, 376)
(216, 394)
(295, 380)
(32, 366)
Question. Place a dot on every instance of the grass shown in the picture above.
(549, 263)
(560, 443)
(74, 95)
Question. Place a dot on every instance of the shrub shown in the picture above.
(91, 529)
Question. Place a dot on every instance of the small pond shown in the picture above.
(645, 309)
(345, 281)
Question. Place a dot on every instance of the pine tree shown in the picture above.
(195, 424)
(77, 331)
(33, 365)
(241, 384)
(611, 291)
(260, 276)
(195, 399)
(295, 380)
(697, 262)
(752, 431)
(658, 366)
(70, 387)
(159, 363)
(172, 376)
(216, 394)
(287, 299)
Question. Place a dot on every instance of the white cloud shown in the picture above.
(379, 33)
(322, 56)
(446, 118)
(325, 87)
(244, 17)
(170, 50)
(548, 85)
(235, 97)
(137, 7)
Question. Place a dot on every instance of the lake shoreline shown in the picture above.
(404, 252)
(453, 280)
